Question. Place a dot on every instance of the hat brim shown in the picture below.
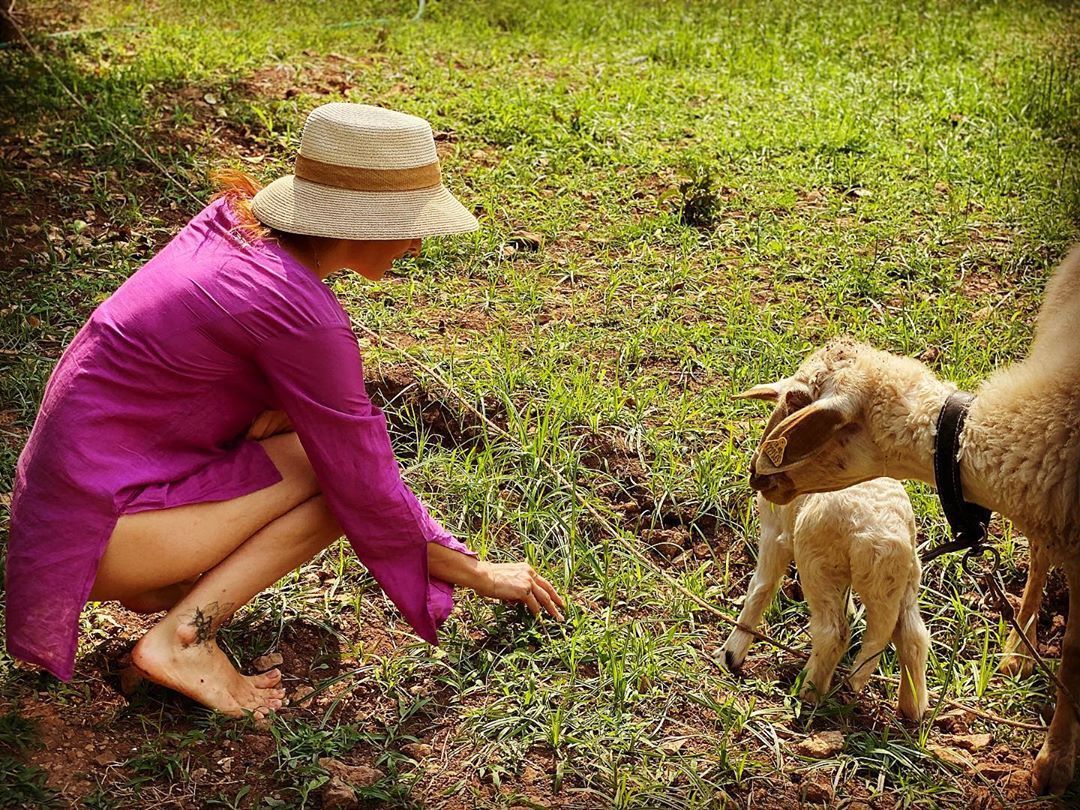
(295, 205)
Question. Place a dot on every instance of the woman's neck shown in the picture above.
(305, 249)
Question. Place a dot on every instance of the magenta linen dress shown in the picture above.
(148, 407)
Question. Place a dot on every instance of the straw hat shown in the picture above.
(363, 173)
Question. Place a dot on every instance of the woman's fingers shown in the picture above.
(544, 598)
(550, 589)
(532, 604)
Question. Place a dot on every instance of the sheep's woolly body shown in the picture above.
(862, 538)
(1020, 456)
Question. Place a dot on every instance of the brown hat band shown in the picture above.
(361, 179)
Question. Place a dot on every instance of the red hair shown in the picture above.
(238, 188)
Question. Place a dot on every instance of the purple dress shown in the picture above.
(148, 407)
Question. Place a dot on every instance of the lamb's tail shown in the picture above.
(1059, 317)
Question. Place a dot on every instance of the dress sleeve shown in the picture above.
(318, 378)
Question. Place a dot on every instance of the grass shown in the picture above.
(719, 188)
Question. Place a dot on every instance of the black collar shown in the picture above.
(968, 521)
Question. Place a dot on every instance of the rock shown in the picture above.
(821, 745)
(355, 775)
(527, 802)
(336, 795)
(955, 721)
(525, 241)
(1019, 782)
(225, 764)
(267, 662)
(300, 694)
(950, 756)
(994, 770)
(818, 790)
(667, 542)
(673, 746)
(416, 750)
(105, 758)
(972, 742)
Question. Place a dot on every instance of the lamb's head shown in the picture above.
(816, 439)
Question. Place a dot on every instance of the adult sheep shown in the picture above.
(874, 414)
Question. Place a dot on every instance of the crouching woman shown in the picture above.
(208, 430)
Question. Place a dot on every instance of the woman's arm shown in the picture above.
(510, 582)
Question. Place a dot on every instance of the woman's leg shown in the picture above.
(240, 547)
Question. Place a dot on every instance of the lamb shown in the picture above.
(862, 538)
(871, 414)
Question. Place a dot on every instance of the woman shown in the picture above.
(208, 430)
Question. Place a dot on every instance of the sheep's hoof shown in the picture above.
(913, 711)
(810, 694)
(733, 663)
(1015, 665)
(1053, 769)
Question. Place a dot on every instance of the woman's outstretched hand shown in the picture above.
(519, 582)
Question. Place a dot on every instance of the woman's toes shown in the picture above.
(266, 680)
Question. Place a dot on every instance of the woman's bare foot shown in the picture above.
(182, 654)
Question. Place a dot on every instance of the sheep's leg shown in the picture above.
(912, 647)
(1016, 658)
(829, 631)
(1055, 763)
(774, 557)
(881, 619)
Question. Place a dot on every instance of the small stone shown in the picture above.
(300, 694)
(993, 770)
(225, 764)
(210, 98)
(524, 801)
(972, 742)
(818, 790)
(356, 775)
(955, 721)
(1019, 781)
(105, 758)
(198, 775)
(701, 550)
(336, 795)
(526, 241)
(416, 750)
(267, 662)
(950, 756)
(821, 745)
(672, 746)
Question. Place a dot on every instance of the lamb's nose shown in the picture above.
(761, 483)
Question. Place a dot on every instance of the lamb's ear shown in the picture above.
(769, 392)
(804, 432)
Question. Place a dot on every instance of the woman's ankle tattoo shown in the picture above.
(206, 620)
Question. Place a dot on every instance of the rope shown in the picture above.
(607, 524)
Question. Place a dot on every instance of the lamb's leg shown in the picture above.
(1055, 763)
(1016, 658)
(882, 614)
(912, 647)
(829, 632)
(774, 557)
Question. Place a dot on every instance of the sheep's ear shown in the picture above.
(767, 393)
(803, 433)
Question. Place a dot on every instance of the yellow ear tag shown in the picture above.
(774, 449)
